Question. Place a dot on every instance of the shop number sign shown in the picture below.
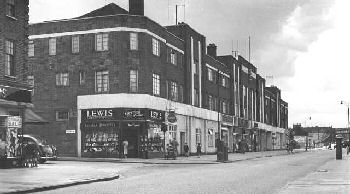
(14, 122)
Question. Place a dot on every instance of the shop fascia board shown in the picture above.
(123, 100)
(270, 128)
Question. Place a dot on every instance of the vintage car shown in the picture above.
(46, 151)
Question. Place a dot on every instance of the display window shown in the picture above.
(100, 143)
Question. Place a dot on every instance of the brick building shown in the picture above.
(113, 75)
(15, 85)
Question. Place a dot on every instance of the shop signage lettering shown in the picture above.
(14, 122)
(70, 131)
(156, 115)
(98, 125)
(133, 114)
(99, 114)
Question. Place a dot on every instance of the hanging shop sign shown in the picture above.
(172, 117)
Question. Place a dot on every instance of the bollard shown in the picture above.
(338, 147)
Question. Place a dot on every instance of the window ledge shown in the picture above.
(10, 76)
(12, 17)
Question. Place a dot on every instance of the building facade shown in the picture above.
(15, 85)
(112, 75)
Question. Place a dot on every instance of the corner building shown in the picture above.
(113, 75)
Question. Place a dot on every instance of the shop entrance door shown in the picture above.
(182, 142)
(131, 134)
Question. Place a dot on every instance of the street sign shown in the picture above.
(70, 131)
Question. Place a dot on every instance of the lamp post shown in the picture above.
(348, 125)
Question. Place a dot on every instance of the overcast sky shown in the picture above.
(303, 44)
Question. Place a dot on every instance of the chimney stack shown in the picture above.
(136, 7)
(211, 50)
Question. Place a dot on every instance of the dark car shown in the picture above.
(46, 151)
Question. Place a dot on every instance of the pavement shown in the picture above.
(204, 159)
(75, 171)
(333, 177)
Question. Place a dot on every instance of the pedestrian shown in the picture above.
(347, 148)
(186, 149)
(199, 150)
(125, 148)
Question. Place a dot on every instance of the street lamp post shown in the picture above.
(348, 125)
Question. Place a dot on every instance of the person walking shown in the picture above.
(125, 148)
(199, 150)
(186, 149)
(347, 148)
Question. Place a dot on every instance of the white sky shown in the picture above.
(303, 44)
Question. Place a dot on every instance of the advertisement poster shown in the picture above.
(12, 142)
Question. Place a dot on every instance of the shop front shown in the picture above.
(107, 132)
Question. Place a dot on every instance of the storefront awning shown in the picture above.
(30, 117)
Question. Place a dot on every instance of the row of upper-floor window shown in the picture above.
(174, 90)
(102, 44)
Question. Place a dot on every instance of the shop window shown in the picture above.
(52, 46)
(31, 49)
(75, 44)
(156, 84)
(172, 132)
(133, 41)
(9, 58)
(210, 137)
(100, 143)
(101, 42)
(198, 136)
(155, 47)
(62, 115)
(102, 81)
(62, 79)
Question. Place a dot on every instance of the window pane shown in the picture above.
(133, 81)
(31, 49)
(75, 44)
(52, 46)
(156, 84)
(133, 41)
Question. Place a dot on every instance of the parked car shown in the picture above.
(46, 151)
